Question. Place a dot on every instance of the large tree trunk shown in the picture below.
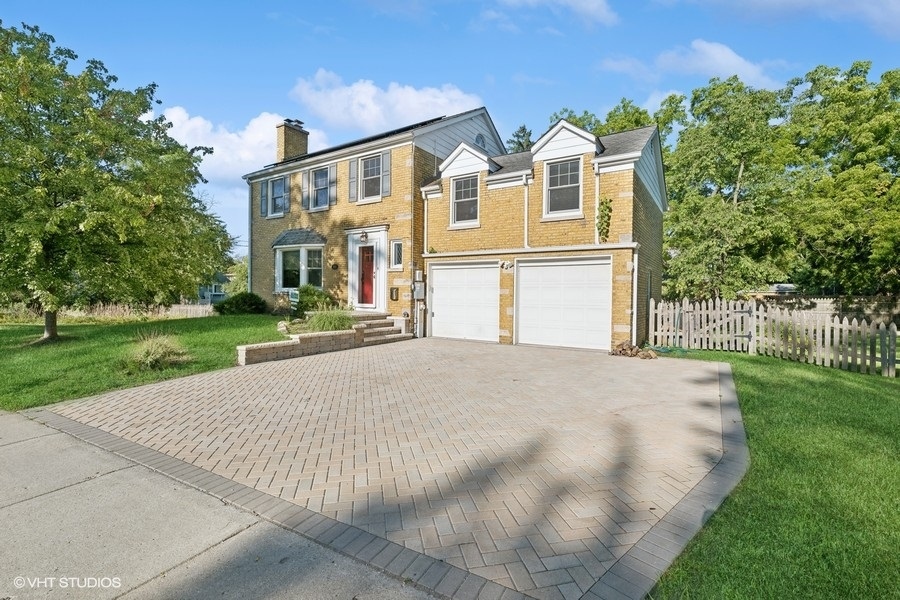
(50, 332)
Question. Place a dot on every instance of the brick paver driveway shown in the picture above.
(538, 469)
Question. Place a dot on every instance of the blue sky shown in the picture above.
(229, 71)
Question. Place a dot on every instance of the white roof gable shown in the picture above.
(465, 160)
(562, 140)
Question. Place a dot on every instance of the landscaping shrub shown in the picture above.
(245, 303)
(155, 351)
(312, 298)
(330, 319)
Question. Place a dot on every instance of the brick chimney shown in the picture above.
(293, 140)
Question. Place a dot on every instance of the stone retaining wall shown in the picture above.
(299, 345)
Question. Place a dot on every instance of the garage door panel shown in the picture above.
(465, 302)
(565, 304)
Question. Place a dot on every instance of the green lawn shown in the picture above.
(818, 513)
(88, 358)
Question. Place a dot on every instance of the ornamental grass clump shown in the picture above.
(155, 351)
(330, 319)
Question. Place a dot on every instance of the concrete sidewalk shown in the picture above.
(78, 521)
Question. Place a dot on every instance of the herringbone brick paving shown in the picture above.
(536, 468)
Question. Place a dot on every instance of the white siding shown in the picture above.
(565, 143)
(465, 163)
(443, 140)
(647, 169)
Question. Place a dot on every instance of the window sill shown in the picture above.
(319, 209)
(464, 226)
(275, 216)
(562, 217)
(370, 200)
(395, 269)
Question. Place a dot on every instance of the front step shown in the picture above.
(386, 339)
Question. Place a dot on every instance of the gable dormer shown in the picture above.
(466, 160)
(565, 140)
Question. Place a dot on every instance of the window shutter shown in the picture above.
(332, 184)
(264, 198)
(287, 193)
(354, 165)
(304, 190)
(386, 174)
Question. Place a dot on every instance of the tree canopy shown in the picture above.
(794, 185)
(520, 140)
(97, 201)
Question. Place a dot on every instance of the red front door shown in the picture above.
(367, 275)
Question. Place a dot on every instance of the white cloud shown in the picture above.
(499, 19)
(655, 98)
(234, 152)
(713, 59)
(597, 11)
(364, 106)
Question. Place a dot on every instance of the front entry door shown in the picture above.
(367, 275)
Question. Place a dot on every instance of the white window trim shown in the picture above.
(270, 197)
(562, 215)
(472, 223)
(312, 189)
(392, 266)
(304, 276)
(361, 181)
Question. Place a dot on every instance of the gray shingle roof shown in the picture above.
(626, 142)
(298, 237)
(520, 161)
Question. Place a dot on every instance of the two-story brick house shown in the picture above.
(349, 219)
(509, 245)
(560, 245)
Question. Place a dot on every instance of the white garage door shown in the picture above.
(465, 302)
(565, 303)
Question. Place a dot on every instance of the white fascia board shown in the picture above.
(512, 179)
(606, 164)
(577, 248)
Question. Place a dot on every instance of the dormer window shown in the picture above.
(563, 188)
(464, 209)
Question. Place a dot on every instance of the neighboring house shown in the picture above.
(507, 244)
(214, 290)
(349, 219)
(514, 254)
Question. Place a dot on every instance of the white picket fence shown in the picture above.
(745, 326)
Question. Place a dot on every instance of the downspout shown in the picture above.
(596, 203)
(634, 282)
(525, 184)
(414, 318)
(249, 235)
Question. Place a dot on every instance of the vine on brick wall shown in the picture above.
(604, 215)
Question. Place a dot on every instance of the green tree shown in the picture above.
(239, 273)
(520, 140)
(624, 116)
(727, 230)
(97, 202)
(845, 134)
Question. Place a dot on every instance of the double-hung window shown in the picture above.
(563, 188)
(298, 266)
(275, 196)
(464, 205)
(371, 177)
(319, 196)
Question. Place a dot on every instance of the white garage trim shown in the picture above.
(564, 302)
(464, 300)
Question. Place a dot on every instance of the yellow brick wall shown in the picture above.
(570, 231)
(648, 227)
(396, 210)
(501, 220)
